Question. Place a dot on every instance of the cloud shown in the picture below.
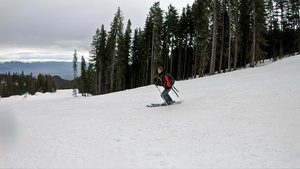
(60, 26)
(41, 55)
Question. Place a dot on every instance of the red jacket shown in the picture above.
(166, 80)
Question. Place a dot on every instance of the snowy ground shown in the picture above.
(244, 119)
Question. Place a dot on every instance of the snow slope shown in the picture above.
(244, 119)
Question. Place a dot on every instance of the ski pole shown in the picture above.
(175, 91)
(158, 89)
(175, 88)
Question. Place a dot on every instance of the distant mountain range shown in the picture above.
(61, 69)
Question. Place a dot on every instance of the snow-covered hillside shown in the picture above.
(244, 119)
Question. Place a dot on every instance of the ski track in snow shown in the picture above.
(243, 119)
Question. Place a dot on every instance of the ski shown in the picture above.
(161, 104)
(154, 105)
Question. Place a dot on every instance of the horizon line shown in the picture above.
(36, 60)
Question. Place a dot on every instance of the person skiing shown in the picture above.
(167, 81)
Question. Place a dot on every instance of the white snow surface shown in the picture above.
(243, 119)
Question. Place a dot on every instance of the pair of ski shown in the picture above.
(159, 104)
(164, 104)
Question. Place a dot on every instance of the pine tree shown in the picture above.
(236, 32)
(230, 35)
(22, 83)
(170, 37)
(202, 35)
(30, 84)
(75, 73)
(2, 84)
(293, 22)
(98, 57)
(8, 85)
(281, 5)
(135, 65)
(155, 19)
(186, 43)
(145, 57)
(83, 78)
(222, 34)
(123, 58)
(258, 32)
(181, 44)
(189, 50)
(115, 36)
(244, 22)
(146, 51)
(91, 79)
(127, 52)
(273, 29)
(103, 74)
(214, 42)
(254, 35)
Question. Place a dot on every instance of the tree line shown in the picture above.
(209, 36)
(18, 84)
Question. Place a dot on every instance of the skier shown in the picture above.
(167, 81)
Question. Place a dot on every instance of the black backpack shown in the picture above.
(171, 79)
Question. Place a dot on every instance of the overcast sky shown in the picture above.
(53, 29)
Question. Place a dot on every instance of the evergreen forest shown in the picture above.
(207, 37)
(19, 84)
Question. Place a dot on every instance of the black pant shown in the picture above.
(165, 95)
